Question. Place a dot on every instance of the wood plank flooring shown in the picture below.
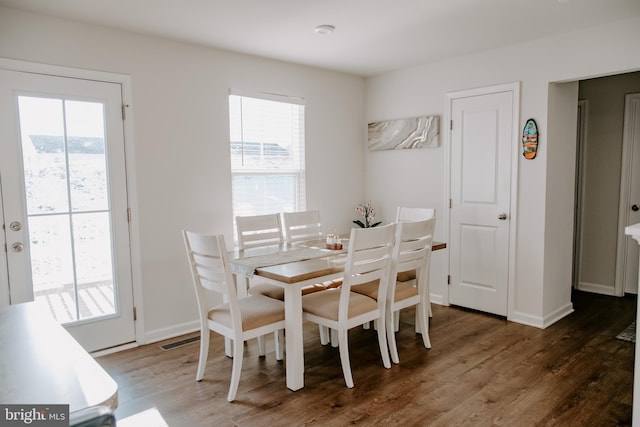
(481, 371)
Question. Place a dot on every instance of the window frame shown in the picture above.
(298, 173)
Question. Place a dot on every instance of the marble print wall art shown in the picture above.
(416, 132)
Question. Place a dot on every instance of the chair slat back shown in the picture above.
(412, 250)
(258, 230)
(299, 226)
(368, 260)
(211, 272)
(414, 214)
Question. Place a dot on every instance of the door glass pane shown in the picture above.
(93, 248)
(52, 265)
(43, 154)
(87, 166)
(64, 157)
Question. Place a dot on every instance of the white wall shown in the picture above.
(416, 177)
(181, 165)
(559, 200)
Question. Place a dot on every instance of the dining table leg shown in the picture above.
(294, 338)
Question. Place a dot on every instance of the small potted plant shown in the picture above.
(368, 214)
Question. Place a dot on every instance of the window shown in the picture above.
(267, 154)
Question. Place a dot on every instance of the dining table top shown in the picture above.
(308, 269)
(319, 244)
(294, 262)
(300, 271)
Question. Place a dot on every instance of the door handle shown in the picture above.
(635, 208)
(502, 216)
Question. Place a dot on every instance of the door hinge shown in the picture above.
(124, 111)
(451, 125)
(135, 314)
(450, 203)
(129, 215)
(448, 279)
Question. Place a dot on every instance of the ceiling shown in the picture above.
(371, 36)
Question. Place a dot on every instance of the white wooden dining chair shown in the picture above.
(239, 319)
(368, 261)
(404, 213)
(258, 230)
(412, 251)
(413, 214)
(264, 230)
(300, 226)
(255, 231)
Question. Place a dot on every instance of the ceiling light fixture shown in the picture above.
(325, 29)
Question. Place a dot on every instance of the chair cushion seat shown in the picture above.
(403, 291)
(369, 289)
(405, 276)
(277, 292)
(325, 304)
(256, 311)
(268, 290)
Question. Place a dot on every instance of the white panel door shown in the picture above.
(64, 200)
(481, 149)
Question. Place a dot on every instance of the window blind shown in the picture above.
(267, 154)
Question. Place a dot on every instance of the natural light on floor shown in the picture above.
(149, 418)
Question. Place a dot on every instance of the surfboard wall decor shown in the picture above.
(530, 139)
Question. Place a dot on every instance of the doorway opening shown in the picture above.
(598, 265)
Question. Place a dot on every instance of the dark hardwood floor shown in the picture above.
(481, 371)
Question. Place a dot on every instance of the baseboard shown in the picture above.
(541, 322)
(154, 336)
(114, 349)
(526, 319)
(436, 299)
(596, 288)
(560, 313)
(171, 332)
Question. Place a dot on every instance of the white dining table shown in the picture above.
(282, 265)
(292, 267)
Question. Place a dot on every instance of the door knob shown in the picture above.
(502, 216)
(635, 208)
(15, 226)
(17, 247)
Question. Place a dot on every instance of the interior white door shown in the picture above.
(630, 210)
(64, 199)
(481, 150)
